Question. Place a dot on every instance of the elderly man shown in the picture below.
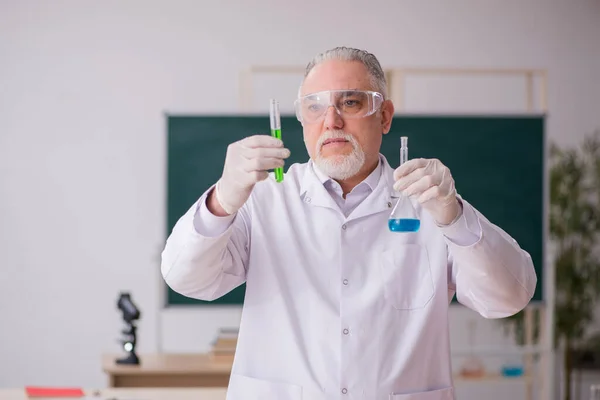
(342, 307)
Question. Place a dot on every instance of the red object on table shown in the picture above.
(36, 391)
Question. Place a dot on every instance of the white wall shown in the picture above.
(83, 91)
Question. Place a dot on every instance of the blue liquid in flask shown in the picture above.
(404, 225)
(403, 217)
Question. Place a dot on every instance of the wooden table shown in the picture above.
(130, 394)
(167, 370)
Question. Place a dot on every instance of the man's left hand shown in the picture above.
(432, 184)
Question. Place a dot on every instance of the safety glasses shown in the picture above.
(348, 104)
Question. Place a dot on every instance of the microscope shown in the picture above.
(130, 314)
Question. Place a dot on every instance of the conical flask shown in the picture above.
(403, 217)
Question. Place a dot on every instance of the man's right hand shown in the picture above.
(246, 163)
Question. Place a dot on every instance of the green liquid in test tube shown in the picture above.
(276, 132)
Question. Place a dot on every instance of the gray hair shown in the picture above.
(350, 54)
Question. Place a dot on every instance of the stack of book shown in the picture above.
(223, 347)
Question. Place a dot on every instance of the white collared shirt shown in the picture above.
(356, 195)
(337, 306)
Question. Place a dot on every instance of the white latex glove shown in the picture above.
(432, 184)
(247, 162)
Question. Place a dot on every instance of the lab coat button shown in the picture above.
(308, 199)
(389, 205)
(344, 227)
(345, 281)
(346, 331)
(344, 390)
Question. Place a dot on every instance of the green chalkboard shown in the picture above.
(497, 163)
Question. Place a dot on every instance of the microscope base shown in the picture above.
(131, 359)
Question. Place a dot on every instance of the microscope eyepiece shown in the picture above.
(130, 311)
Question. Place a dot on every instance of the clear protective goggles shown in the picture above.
(348, 104)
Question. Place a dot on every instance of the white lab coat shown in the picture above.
(340, 307)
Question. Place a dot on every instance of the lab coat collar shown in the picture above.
(313, 191)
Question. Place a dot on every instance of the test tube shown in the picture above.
(403, 149)
(276, 132)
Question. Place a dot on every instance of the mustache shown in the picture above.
(335, 134)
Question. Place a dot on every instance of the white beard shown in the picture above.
(340, 166)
